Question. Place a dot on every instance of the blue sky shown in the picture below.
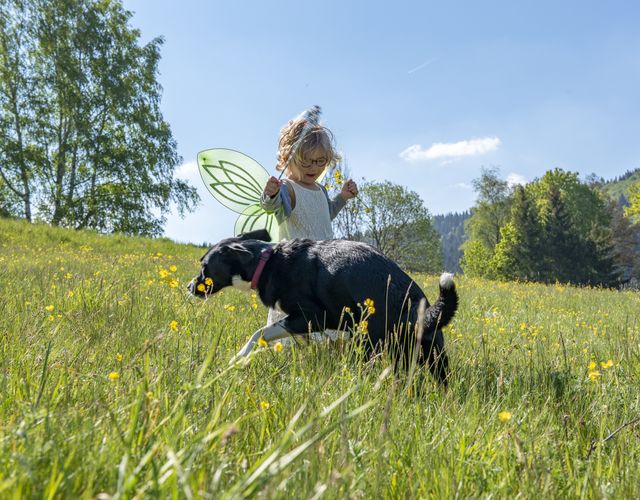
(419, 93)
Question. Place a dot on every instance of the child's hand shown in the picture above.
(349, 190)
(273, 187)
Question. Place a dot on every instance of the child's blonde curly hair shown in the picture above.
(318, 138)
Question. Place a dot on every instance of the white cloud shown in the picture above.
(516, 180)
(187, 170)
(471, 147)
(463, 185)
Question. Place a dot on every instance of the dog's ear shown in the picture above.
(258, 234)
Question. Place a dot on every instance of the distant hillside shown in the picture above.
(618, 188)
(451, 229)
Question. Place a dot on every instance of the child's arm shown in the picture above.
(277, 200)
(349, 190)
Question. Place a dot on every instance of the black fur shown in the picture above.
(313, 281)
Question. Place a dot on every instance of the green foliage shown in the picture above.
(83, 141)
(556, 228)
(492, 208)
(634, 201)
(477, 260)
(395, 220)
(534, 407)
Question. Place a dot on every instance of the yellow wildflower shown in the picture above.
(118, 357)
(174, 325)
(592, 366)
(504, 416)
(607, 364)
(163, 273)
(363, 327)
(201, 287)
(278, 347)
(262, 342)
(594, 375)
(173, 268)
(264, 405)
(113, 376)
(49, 308)
(208, 281)
(173, 283)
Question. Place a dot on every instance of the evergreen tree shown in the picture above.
(563, 258)
(528, 254)
(626, 245)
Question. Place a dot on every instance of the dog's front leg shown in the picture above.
(269, 333)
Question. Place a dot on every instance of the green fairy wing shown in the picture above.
(237, 181)
(234, 179)
(254, 217)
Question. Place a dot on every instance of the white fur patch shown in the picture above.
(240, 284)
(446, 280)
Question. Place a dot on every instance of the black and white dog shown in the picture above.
(314, 282)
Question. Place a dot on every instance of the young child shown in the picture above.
(301, 205)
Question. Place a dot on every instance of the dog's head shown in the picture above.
(225, 260)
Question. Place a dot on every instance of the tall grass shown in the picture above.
(113, 381)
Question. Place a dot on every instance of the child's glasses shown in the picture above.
(320, 162)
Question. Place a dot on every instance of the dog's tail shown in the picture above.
(443, 309)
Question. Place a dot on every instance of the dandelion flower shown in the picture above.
(504, 416)
(278, 347)
(208, 281)
(113, 376)
(49, 308)
(262, 342)
(174, 325)
(173, 268)
(163, 273)
(264, 405)
(118, 357)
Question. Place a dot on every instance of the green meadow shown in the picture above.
(115, 383)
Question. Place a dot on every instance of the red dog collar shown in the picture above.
(264, 257)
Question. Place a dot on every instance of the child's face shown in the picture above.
(309, 167)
